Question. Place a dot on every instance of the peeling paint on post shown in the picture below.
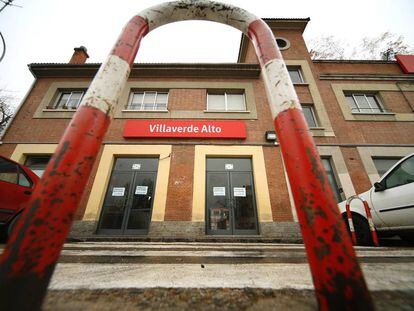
(31, 254)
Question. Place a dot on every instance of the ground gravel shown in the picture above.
(205, 299)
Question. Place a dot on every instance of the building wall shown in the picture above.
(349, 140)
(180, 186)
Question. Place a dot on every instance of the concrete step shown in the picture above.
(211, 253)
(201, 239)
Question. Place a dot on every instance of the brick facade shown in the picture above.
(34, 124)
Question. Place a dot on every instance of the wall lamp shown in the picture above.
(271, 136)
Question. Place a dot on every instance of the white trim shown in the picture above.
(279, 87)
(287, 43)
(106, 87)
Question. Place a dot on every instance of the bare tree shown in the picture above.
(384, 46)
(326, 47)
(6, 111)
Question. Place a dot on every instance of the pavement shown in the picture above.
(212, 276)
(233, 265)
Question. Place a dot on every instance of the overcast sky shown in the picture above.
(48, 30)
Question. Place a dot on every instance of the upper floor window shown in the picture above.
(296, 75)
(148, 100)
(310, 116)
(364, 103)
(226, 101)
(69, 99)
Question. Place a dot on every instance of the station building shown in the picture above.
(191, 151)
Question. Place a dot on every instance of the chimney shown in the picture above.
(79, 56)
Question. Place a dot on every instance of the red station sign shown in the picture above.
(185, 129)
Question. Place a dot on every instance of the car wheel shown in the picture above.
(12, 224)
(361, 226)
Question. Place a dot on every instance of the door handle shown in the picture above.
(233, 203)
(27, 192)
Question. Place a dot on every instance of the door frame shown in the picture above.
(263, 206)
(104, 171)
(123, 231)
(229, 197)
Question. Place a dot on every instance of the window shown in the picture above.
(148, 100)
(364, 103)
(309, 116)
(332, 179)
(383, 164)
(296, 75)
(10, 172)
(37, 163)
(403, 174)
(225, 101)
(69, 99)
(282, 43)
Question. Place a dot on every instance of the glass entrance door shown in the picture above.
(230, 199)
(128, 202)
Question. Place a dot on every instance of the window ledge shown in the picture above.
(303, 83)
(317, 128)
(374, 113)
(58, 110)
(227, 111)
(144, 111)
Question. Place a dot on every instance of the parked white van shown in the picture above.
(391, 201)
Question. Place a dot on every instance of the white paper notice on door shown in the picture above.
(118, 191)
(141, 190)
(219, 191)
(239, 192)
(136, 166)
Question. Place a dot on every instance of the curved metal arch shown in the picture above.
(33, 249)
(281, 96)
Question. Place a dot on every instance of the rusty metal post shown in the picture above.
(33, 249)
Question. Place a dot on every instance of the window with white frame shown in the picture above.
(148, 100)
(364, 103)
(309, 115)
(69, 99)
(226, 101)
(296, 75)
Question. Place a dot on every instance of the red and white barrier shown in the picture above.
(350, 223)
(33, 249)
(369, 219)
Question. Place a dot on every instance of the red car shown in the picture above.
(16, 185)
